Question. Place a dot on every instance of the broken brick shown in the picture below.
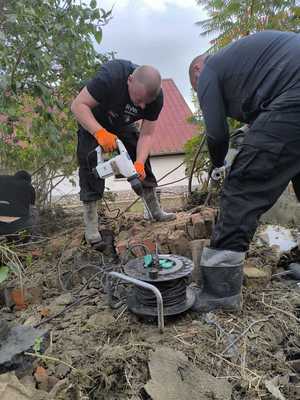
(178, 243)
(14, 296)
(209, 220)
(199, 229)
(196, 247)
(41, 377)
(190, 231)
(255, 277)
(37, 253)
(135, 230)
(181, 227)
(123, 246)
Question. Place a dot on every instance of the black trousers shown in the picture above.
(91, 187)
(268, 161)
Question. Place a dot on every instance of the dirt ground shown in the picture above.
(95, 352)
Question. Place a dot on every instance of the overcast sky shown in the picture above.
(157, 32)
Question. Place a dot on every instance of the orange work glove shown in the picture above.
(106, 140)
(140, 169)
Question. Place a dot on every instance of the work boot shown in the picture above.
(153, 205)
(222, 277)
(90, 216)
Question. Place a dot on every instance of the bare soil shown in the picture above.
(96, 352)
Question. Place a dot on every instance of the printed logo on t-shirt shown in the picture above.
(130, 113)
(130, 110)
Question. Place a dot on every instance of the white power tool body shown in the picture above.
(118, 165)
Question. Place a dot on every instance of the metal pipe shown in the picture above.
(137, 282)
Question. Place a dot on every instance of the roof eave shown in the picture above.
(167, 153)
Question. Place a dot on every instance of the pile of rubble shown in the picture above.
(76, 347)
(182, 236)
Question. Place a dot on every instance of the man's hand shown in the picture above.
(218, 173)
(140, 169)
(106, 140)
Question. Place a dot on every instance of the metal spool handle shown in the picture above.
(137, 282)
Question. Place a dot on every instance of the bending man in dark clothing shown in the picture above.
(120, 94)
(17, 197)
(255, 80)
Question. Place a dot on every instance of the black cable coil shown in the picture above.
(173, 293)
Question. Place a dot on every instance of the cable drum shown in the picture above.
(172, 284)
(173, 293)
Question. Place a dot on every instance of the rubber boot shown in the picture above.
(154, 207)
(90, 216)
(222, 277)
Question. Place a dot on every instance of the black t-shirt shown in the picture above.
(16, 195)
(257, 73)
(115, 110)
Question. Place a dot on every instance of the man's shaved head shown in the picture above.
(144, 85)
(195, 69)
(150, 78)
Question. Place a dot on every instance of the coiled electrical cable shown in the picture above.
(173, 293)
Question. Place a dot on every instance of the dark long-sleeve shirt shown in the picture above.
(256, 73)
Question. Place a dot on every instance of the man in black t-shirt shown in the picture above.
(255, 80)
(108, 107)
(17, 196)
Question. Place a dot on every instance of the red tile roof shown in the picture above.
(172, 129)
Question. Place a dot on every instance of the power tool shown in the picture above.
(120, 164)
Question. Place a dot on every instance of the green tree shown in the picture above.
(193, 144)
(230, 20)
(46, 55)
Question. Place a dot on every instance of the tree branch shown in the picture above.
(19, 57)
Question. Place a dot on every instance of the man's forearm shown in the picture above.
(143, 148)
(217, 150)
(145, 141)
(85, 117)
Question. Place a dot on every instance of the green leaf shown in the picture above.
(98, 36)
(4, 271)
(3, 82)
(93, 4)
(37, 344)
(12, 18)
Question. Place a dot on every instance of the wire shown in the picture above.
(209, 194)
(112, 210)
(88, 282)
(130, 250)
(194, 164)
(170, 172)
(173, 293)
(77, 301)
(171, 183)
